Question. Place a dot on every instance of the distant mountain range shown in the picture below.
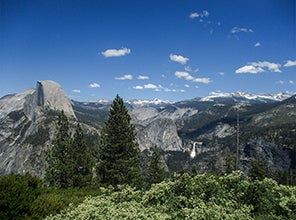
(266, 124)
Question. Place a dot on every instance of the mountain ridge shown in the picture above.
(27, 128)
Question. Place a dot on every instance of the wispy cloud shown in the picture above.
(188, 77)
(184, 75)
(283, 82)
(203, 17)
(178, 58)
(258, 44)
(150, 86)
(94, 85)
(116, 53)
(280, 82)
(76, 91)
(273, 67)
(143, 77)
(202, 80)
(236, 30)
(259, 67)
(125, 77)
(189, 69)
(202, 14)
(157, 88)
(290, 63)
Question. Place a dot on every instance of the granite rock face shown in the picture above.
(49, 94)
(26, 129)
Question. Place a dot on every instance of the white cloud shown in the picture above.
(221, 73)
(258, 44)
(259, 67)
(238, 30)
(194, 15)
(150, 86)
(157, 88)
(202, 14)
(186, 85)
(116, 53)
(94, 85)
(188, 77)
(76, 91)
(274, 67)
(184, 75)
(178, 58)
(202, 80)
(291, 81)
(280, 82)
(249, 69)
(138, 87)
(290, 63)
(125, 77)
(143, 77)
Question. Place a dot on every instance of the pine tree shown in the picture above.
(82, 161)
(69, 160)
(118, 151)
(258, 170)
(230, 161)
(58, 157)
(156, 168)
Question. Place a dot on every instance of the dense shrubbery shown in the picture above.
(198, 197)
(24, 197)
(17, 192)
(204, 196)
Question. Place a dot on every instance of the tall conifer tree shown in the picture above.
(82, 161)
(156, 168)
(118, 151)
(58, 157)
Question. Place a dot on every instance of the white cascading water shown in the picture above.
(193, 151)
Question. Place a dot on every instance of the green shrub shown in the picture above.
(53, 201)
(184, 197)
(17, 193)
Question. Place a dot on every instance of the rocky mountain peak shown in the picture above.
(51, 95)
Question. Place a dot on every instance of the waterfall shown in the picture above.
(193, 151)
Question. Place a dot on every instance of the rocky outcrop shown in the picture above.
(49, 94)
(26, 128)
(161, 133)
(276, 158)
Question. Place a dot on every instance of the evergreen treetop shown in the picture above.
(118, 150)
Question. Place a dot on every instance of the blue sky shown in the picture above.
(164, 49)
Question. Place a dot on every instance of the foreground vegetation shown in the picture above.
(205, 196)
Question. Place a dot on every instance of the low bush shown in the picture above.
(17, 193)
(199, 197)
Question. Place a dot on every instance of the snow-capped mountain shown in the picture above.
(138, 102)
(247, 96)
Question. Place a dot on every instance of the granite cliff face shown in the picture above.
(26, 127)
(50, 95)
